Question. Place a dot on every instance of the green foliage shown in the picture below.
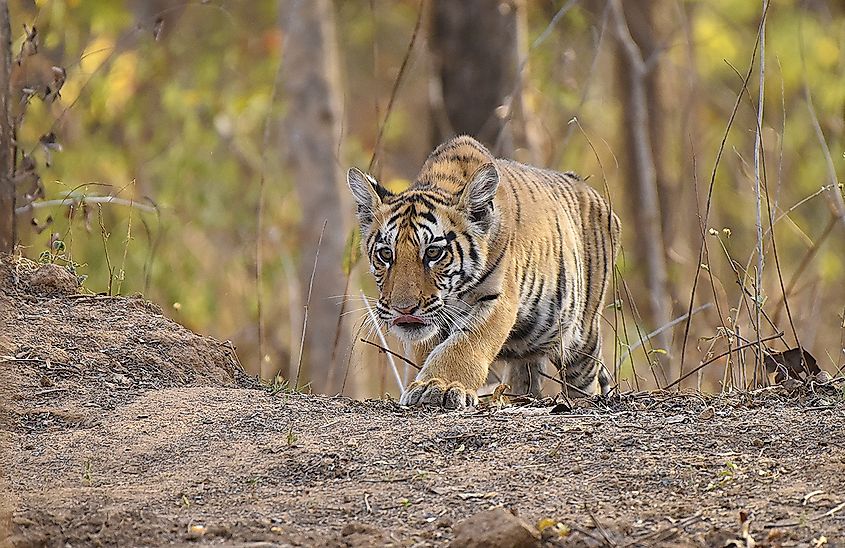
(56, 254)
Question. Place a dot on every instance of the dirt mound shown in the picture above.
(67, 356)
(73, 340)
(119, 427)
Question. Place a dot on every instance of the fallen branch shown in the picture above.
(798, 523)
(599, 526)
(86, 200)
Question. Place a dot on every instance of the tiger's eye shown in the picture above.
(384, 254)
(434, 253)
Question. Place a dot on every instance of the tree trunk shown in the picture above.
(637, 92)
(475, 70)
(312, 128)
(7, 184)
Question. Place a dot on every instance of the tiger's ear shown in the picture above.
(368, 194)
(477, 196)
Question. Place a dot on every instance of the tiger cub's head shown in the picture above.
(427, 246)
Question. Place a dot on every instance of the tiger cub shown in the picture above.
(485, 259)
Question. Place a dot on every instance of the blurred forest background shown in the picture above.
(193, 151)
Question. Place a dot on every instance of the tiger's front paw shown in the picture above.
(440, 393)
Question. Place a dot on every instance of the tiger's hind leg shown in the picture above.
(583, 370)
(523, 376)
(605, 381)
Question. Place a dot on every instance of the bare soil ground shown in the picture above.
(121, 428)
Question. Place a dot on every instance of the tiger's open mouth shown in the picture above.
(409, 320)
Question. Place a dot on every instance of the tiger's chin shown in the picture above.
(414, 332)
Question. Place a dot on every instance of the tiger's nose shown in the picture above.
(405, 309)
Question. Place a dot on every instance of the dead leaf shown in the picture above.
(27, 163)
(29, 47)
(823, 377)
(560, 408)
(552, 528)
(54, 90)
(196, 531)
(499, 394)
(745, 523)
(795, 363)
(158, 26)
(49, 143)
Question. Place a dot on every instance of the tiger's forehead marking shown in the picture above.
(417, 216)
(426, 211)
(423, 198)
(414, 226)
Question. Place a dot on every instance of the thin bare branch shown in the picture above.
(758, 202)
(392, 353)
(659, 330)
(703, 247)
(395, 91)
(722, 355)
(834, 195)
(307, 304)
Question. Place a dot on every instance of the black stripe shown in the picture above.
(526, 290)
(518, 203)
(448, 177)
(521, 329)
(561, 274)
(395, 217)
(428, 216)
(460, 253)
(473, 252)
(484, 276)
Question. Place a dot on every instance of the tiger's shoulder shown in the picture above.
(541, 192)
(522, 187)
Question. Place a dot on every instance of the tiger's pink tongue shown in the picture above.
(407, 319)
